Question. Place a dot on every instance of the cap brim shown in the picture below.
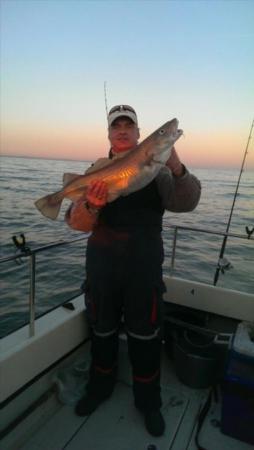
(115, 115)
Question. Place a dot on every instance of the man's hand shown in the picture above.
(97, 194)
(174, 164)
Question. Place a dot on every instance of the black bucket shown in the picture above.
(172, 329)
(195, 358)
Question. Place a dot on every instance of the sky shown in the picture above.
(193, 60)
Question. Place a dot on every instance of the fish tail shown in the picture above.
(50, 205)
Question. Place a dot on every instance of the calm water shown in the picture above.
(60, 272)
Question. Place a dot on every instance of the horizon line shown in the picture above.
(251, 169)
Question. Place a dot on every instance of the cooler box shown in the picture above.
(237, 418)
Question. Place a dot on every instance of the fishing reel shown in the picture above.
(224, 264)
(21, 246)
(249, 231)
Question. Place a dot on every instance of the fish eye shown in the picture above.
(161, 131)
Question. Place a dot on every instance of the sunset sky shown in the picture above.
(193, 60)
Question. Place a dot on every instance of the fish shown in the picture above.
(133, 171)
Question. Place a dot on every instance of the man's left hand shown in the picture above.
(174, 164)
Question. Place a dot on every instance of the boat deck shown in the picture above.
(117, 425)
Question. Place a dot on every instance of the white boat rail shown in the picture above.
(31, 254)
(27, 252)
(202, 230)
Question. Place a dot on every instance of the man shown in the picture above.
(124, 270)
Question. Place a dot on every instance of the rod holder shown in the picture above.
(32, 296)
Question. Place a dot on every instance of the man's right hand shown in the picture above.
(97, 194)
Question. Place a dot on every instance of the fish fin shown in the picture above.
(150, 159)
(163, 157)
(50, 205)
(67, 177)
(156, 161)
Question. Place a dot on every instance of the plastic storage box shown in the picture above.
(237, 419)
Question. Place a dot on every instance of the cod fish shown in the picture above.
(122, 175)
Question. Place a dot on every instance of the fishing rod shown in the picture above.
(224, 242)
(105, 98)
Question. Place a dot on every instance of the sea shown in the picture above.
(60, 271)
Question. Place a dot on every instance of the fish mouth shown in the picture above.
(177, 132)
(176, 135)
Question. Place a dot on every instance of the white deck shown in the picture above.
(117, 425)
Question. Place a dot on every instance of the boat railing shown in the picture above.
(177, 228)
(27, 252)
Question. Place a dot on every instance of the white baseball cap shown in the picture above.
(122, 111)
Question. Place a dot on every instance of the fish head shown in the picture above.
(161, 141)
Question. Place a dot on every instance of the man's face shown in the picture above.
(123, 134)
